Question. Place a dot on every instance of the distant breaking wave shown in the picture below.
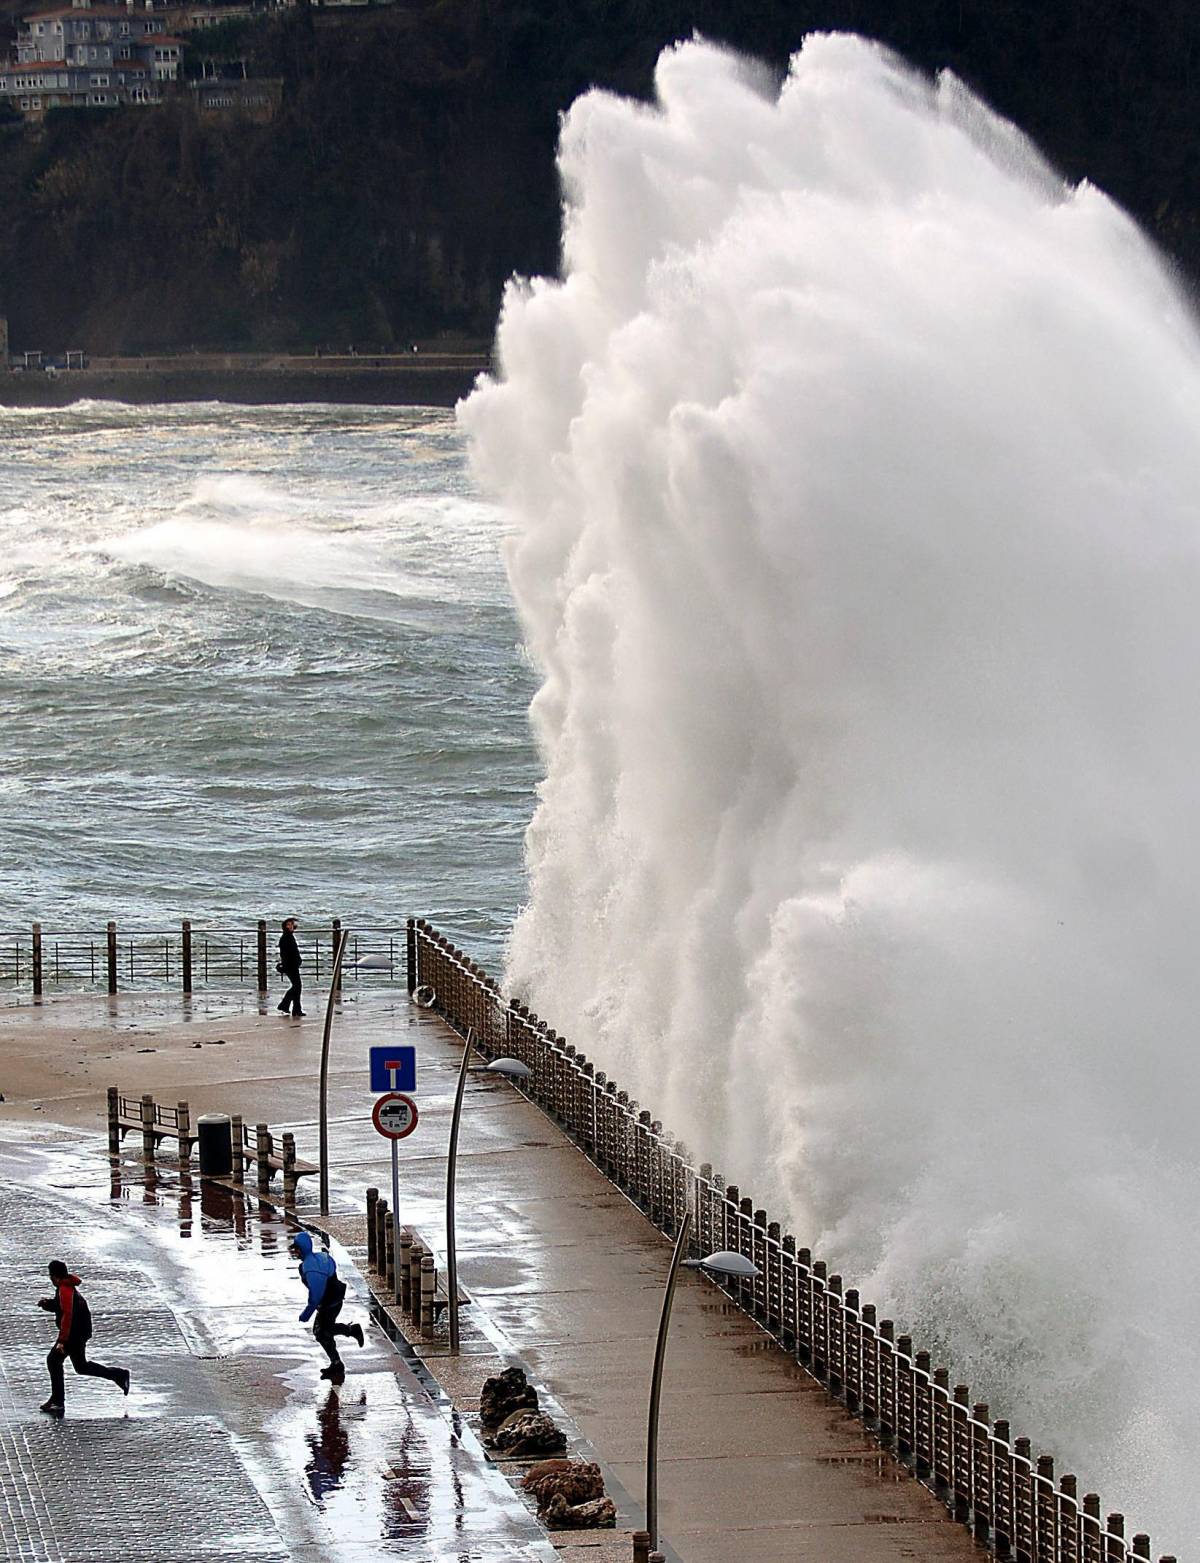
(854, 472)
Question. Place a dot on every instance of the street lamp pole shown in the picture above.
(323, 1112)
(660, 1351)
(724, 1263)
(514, 1069)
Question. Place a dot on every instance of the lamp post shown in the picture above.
(513, 1069)
(323, 1114)
(724, 1263)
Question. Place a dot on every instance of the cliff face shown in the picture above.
(410, 169)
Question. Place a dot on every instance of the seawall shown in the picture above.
(433, 380)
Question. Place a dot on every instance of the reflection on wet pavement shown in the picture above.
(230, 1444)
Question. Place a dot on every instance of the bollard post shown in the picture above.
(238, 1148)
(262, 1146)
(262, 955)
(112, 957)
(114, 1124)
(187, 954)
(641, 1546)
(428, 1287)
(381, 1221)
(183, 1122)
(289, 1168)
(37, 960)
(387, 1237)
(403, 1277)
(372, 1201)
(416, 1255)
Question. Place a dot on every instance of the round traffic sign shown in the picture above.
(395, 1115)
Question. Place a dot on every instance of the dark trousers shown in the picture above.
(325, 1327)
(291, 999)
(79, 1361)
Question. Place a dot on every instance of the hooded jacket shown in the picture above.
(71, 1312)
(317, 1270)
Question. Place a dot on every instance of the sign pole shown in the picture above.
(395, 1184)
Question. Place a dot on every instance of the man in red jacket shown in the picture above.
(74, 1319)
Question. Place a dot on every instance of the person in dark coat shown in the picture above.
(326, 1294)
(289, 967)
(74, 1319)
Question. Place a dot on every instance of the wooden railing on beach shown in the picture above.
(992, 1482)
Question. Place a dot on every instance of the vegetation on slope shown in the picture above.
(410, 169)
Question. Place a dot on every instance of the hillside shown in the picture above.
(410, 169)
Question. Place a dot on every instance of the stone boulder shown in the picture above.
(527, 1434)
(572, 1480)
(596, 1514)
(508, 1392)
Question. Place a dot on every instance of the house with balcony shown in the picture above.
(90, 56)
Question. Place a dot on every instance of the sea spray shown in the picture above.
(854, 479)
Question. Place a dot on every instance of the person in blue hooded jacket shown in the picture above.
(326, 1294)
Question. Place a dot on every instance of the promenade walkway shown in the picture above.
(230, 1445)
(757, 1464)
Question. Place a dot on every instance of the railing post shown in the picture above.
(262, 955)
(262, 1147)
(112, 957)
(183, 1122)
(114, 1126)
(410, 953)
(237, 1135)
(187, 955)
(147, 1123)
(37, 960)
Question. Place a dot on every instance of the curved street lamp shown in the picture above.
(513, 1069)
(723, 1263)
(323, 1105)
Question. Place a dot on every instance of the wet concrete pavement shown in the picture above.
(229, 1445)
(757, 1464)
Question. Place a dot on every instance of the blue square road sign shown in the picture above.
(393, 1068)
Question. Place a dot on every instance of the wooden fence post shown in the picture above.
(262, 1146)
(37, 960)
(382, 1222)
(183, 1118)
(187, 955)
(236, 1135)
(641, 1546)
(289, 1168)
(147, 1123)
(372, 1201)
(262, 955)
(428, 1287)
(114, 1127)
(112, 957)
(401, 1282)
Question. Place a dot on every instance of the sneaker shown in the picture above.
(333, 1371)
(356, 1333)
(52, 1407)
(123, 1380)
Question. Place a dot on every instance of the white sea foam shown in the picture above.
(854, 476)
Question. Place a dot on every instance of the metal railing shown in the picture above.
(38, 959)
(991, 1481)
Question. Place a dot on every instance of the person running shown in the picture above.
(289, 967)
(74, 1318)
(326, 1294)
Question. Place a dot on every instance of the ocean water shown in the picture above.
(253, 661)
(854, 480)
